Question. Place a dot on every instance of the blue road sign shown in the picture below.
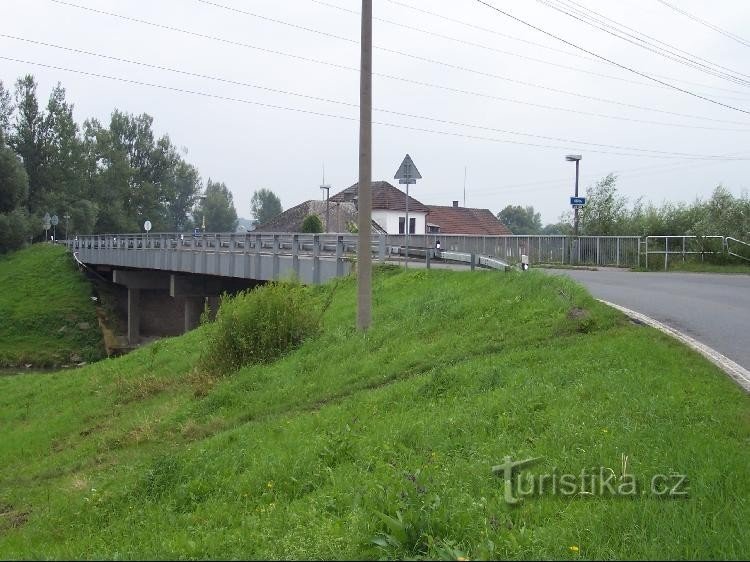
(578, 201)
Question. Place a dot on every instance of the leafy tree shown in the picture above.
(27, 139)
(605, 213)
(217, 206)
(14, 183)
(557, 229)
(183, 195)
(265, 205)
(63, 171)
(15, 229)
(312, 224)
(521, 220)
(6, 112)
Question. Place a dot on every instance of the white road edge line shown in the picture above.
(738, 373)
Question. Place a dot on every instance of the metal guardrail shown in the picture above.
(686, 246)
(314, 258)
(615, 251)
(737, 248)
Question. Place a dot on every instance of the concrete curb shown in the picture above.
(739, 374)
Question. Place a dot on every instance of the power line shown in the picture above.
(716, 28)
(634, 71)
(674, 156)
(333, 101)
(382, 75)
(567, 53)
(464, 42)
(599, 21)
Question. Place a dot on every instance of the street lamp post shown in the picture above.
(577, 159)
(327, 189)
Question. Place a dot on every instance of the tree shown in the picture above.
(63, 170)
(312, 224)
(184, 190)
(27, 139)
(6, 112)
(217, 206)
(15, 228)
(521, 220)
(605, 213)
(14, 183)
(265, 205)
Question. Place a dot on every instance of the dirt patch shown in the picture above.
(11, 518)
(577, 313)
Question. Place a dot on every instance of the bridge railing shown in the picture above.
(274, 243)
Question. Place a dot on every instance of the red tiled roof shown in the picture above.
(384, 196)
(465, 220)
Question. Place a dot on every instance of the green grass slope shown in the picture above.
(381, 444)
(47, 316)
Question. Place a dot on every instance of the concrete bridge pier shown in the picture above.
(148, 306)
(136, 281)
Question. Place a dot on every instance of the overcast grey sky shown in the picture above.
(249, 146)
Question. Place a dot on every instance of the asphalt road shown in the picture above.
(712, 308)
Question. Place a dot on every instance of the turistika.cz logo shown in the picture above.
(597, 481)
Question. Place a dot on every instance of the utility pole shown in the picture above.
(327, 188)
(364, 247)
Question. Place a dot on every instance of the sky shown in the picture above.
(264, 93)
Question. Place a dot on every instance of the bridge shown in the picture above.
(192, 270)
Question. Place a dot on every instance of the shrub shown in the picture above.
(312, 224)
(259, 325)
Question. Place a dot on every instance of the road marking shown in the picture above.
(737, 372)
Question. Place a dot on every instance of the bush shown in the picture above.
(259, 325)
(312, 224)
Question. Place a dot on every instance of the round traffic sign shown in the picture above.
(54, 220)
(147, 226)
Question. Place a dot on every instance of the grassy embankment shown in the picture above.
(353, 440)
(47, 316)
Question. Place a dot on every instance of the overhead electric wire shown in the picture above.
(716, 28)
(599, 21)
(634, 71)
(674, 156)
(567, 53)
(461, 41)
(340, 102)
(382, 75)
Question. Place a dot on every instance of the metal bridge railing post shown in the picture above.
(316, 259)
(339, 256)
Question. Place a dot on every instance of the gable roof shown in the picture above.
(384, 196)
(341, 216)
(465, 220)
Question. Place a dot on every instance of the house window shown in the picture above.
(412, 225)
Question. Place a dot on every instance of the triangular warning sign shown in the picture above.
(407, 171)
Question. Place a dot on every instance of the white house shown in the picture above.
(389, 208)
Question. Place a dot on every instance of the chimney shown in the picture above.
(455, 203)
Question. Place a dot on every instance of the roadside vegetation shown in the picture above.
(351, 445)
(48, 317)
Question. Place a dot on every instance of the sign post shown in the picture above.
(407, 174)
(147, 228)
(47, 225)
(54, 221)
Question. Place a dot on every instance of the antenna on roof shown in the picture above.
(465, 171)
